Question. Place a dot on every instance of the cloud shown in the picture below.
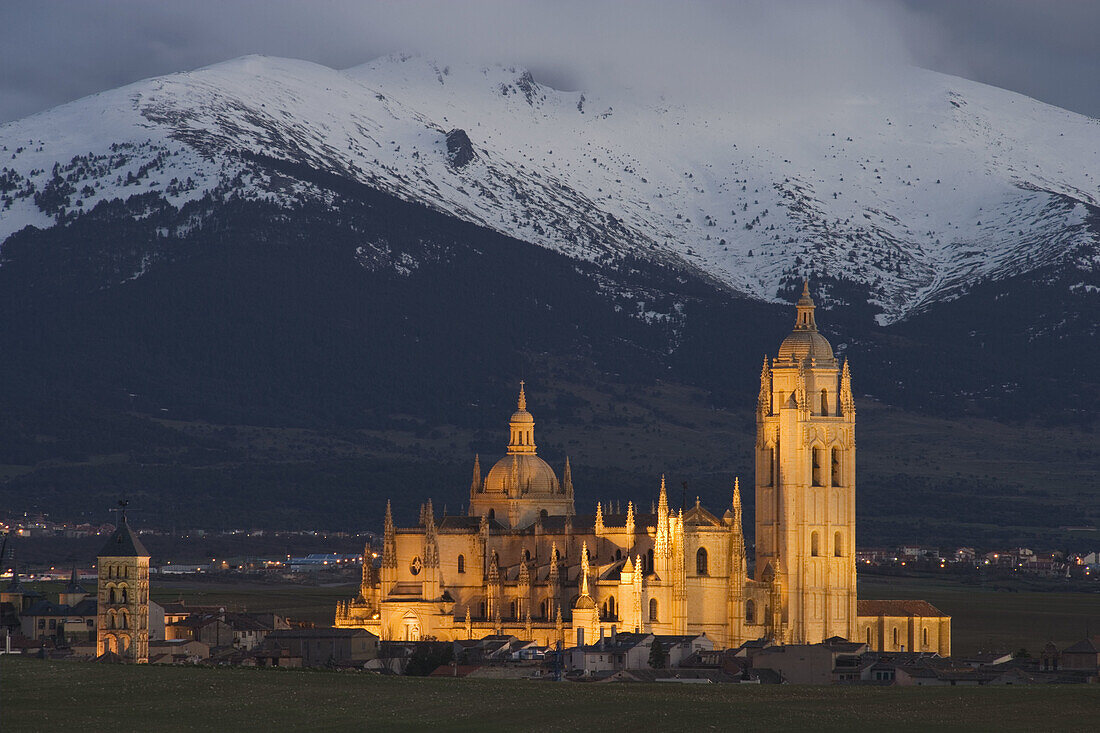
(798, 52)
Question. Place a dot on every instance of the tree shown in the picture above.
(658, 657)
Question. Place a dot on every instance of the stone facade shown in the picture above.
(523, 562)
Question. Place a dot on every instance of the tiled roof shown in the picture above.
(123, 543)
(898, 608)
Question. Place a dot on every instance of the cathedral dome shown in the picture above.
(532, 475)
(801, 345)
(805, 342)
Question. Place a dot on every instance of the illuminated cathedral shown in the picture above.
(523, 562)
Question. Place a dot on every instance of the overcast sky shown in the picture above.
(54, 52)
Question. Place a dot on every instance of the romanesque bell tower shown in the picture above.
(123, 624)
(805, 487)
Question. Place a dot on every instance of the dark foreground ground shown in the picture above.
(39, 695)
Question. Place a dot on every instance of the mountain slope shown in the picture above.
(908, 195)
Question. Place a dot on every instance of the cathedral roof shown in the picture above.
(805, 342)
(898, 608)
(699, 516)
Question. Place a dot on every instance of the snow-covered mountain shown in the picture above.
(915, 192)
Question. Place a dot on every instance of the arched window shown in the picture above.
(543, 513)
(649, 563)
(124, 620)
(701, 561)
(492, 514)
(824, 402)
(544, 608)
(461, 563)
(110, 594)
(513, 609)
(652, 609)
(481, 610)
(618, 554)
(815, 543)
(609, 608)
(838, 545)
(868, 636)
(895, 637)
(750, 612)
(925, 636)
(527, 555)
(816, 469)
(838, 479)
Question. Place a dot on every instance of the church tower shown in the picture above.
(123, 624)
(805, 486)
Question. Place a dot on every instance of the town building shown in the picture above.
(523, 562)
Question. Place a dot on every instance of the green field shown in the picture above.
(38, 695)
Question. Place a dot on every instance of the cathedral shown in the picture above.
(523, 562)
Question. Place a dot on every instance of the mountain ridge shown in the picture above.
(599, 178)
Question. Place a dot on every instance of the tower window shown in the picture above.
(817, 477)
(838, 545)
(825, 403)
(462, 563)
(701, 561)
(815, 544)
(895, 637)
(925, 636)
(652, 609)
(837, 478)
(868, 636)
(750, 612)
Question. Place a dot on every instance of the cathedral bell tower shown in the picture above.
(805, 486)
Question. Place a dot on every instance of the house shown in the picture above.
(208, 628)
(631, 650)
(811, 664)
(177, 651)
(1084, 656)
(320, 647)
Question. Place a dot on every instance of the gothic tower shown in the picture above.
(805, 486)
(123, 623)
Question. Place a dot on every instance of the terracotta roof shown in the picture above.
(898, 608)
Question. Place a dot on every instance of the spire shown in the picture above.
(847, 402)
(630, 522)
(737, 503)
(662, 499)
(584, 569)
(599, 518)
(764, 400)
(475, 482)
(389, 540)
(805, 308)
(522, 403)
(567, 478)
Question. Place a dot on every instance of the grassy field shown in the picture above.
(313, 603)
(38, 695)
(1002, 619)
